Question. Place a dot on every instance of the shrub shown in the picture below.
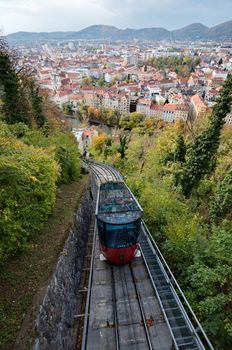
(65, 150)
(28, 177)
(68, 157)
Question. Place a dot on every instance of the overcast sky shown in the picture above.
(64, 15)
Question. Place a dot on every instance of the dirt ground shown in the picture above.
(23, 279)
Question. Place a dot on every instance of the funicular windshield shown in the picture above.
(120, 236)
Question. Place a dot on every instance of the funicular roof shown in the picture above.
(117, 204)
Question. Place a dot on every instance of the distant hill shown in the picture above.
(221, 31)
(195, 31)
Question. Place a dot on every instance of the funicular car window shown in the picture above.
(122, 236)
(102, 232)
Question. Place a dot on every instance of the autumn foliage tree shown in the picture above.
(12, 93)
(181, 65)
(21, 98)
(28, 177)
(36, 155)
(201, 152)
(221, 202)
(99, 141)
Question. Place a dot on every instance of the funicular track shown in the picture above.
(139, 305)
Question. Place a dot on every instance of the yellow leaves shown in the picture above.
(149, 123)
(110, 113)
(98, 141)
(114, 159)
(33, 179)
(168, 212)
(161, 124)
(91, 111)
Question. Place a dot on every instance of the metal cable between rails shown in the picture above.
(108, 169)
(96, 175)
(150, 347)
(130, 310)
(114, 172)
(103, 173)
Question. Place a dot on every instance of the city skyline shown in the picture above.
(38, 16)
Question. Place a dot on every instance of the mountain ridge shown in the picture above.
(194, 31)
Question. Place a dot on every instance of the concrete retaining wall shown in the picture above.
(55, 322)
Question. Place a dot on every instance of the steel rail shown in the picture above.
(97, 176)
(110, 168)
(101, 174)
(114, 172)
(94, 167)
(87, 309)
(105, 173)
(106, 167)
(141, 310)
(115, 309)
(159, 300)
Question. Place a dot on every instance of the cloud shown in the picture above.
(17, 5)
(54, 15)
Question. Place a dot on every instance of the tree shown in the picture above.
(87, 81)
(201, 152)
(68, 108)
(101, 81)
(221, 202)
(36, 102)
(181, 65)
(82, 111)
(180, 151)
(92, 113)
(123, 146)
(12, 96)
(99, 141)
(210, 284)
(132, 120)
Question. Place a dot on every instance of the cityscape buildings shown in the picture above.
(118, 75)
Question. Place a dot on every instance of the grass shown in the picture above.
(23, 279)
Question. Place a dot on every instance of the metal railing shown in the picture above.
(188, 314)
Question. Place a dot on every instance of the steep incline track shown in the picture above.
(140, 305)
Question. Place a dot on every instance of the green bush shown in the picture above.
(68, 157)
(64, 148)
(220, 204)
(28, 177)
(209, 284)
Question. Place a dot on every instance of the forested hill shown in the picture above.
(37, 154)
(182, 176)
(194, 31)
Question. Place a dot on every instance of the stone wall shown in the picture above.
(55, 322)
